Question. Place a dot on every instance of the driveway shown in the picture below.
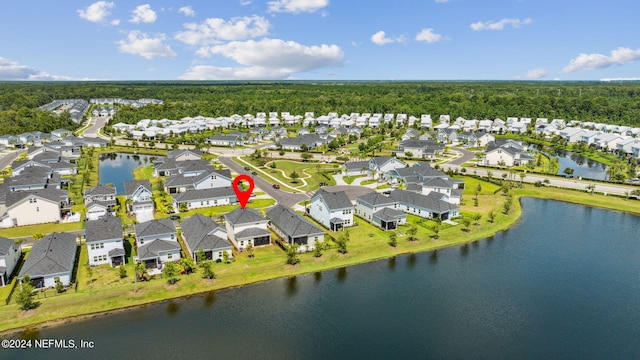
(466, 156)
(144, 216)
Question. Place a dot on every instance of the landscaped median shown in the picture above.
(103, 289)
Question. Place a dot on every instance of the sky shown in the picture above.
(320, 40)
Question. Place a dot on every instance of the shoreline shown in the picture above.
(513, 219)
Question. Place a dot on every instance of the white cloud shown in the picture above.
(490, 25)
(618, 56)
(115, 22)
(11, 70)
(297, 6)
(536, 73)
(140, 44)
(427, 35)
(214, 30)
(187, 11)
(267, 59)
(245, 2)
(205, 72)
(143, 14)
(621, 79)
(96, 12)
(380, 38)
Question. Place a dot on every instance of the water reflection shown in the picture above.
(292, 285)
(433, 258)
(464, 250)
(341, 274)
(209, 299)
(173, 307)
(317, 276)
(411, 260)
(30, 333)
(391, 263)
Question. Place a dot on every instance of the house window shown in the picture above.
(173, 236)
(101, 245)
(95, 259)
(170, 255)
(241, 243)
(93, 247)
(37, 209)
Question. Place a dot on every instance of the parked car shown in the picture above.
(247, 168)
(254, 173)
(174, 217)
(387, 192)
(276, 186)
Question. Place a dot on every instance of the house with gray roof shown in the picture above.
(419, 149)
(380, 165)
(247, 226)
(355, 168)
(508, 154)
(9, 257)
(380, 210)
(51, 257)
(196, 199)
(184, 154)
(230, 140)
(432, 205)
(99, 201)
(212, 178)
(201, 232)
(157, 243)
(104, 241)
(141, 196)
(35, 207)
(310, 141)
(293, 228)
(333, 210)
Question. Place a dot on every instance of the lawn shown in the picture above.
(311, 174)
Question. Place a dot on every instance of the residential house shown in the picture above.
(202, 233)
(626, 145)
(419, 149)
(196, 199)
(380, 210)
(225, 140)
(430, 206)
(9, 256)
(246, 226)
(425, 121)
(99, 201)
(380, 165)
(508, 154)
(293, 228)
(157, 243)
(35, 207)
(410, 134)
(572, 135)
(52, 257)
(139, 196)
(355, 168)
(303, 142)
(333, 210)
(484, 138)
(206, 180)
(104, 241)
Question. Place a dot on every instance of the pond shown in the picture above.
(582, 166)
(562, 283)
(115, 168)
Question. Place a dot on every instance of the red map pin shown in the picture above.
(243, 196)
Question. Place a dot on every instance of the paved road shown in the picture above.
(466, 156)
(282, 197)
(98, 122)
(8, 158)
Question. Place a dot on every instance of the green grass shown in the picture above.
(40, 228)
(311, 173)
(349, 179)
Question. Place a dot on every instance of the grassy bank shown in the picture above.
(105, 291)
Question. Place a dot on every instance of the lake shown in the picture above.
(115, 168)
(582, 166)
(562, 283)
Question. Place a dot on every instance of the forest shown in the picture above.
(608, 102)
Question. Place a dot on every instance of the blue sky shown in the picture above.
(320, 40)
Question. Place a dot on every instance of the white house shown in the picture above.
(380, 210)
(331, 209)
(380, 165)
(140, 194)
(104, 241)
(196, 199)
(202, 233)
(246, 226)
(293, 228)
(51, 258)
(157, 243)
(9, 256)
(35, 207)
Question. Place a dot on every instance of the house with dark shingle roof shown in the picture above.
(380, 165)
(157, 243)
(51, 257)
(104, 241)
(206, 180)
(196, 199)
(184, 154)
(225, 140)
(35, 207)
(293, 228)
(333, 210)
(247, 226)
(9, 256)
(419, 149)
(141, 196)
(311, 141)
(201, 232)
(428, 206)
(380, 210)
(99, 200)
(354, 168)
